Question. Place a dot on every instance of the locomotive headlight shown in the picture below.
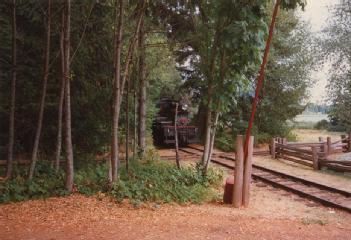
(184, 107)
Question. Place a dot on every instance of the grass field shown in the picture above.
(312, 135)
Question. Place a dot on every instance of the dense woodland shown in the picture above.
(79, 79)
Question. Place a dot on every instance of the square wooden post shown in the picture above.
(239, 171)
(247, 173)
(325, 149)
(315, 158)
(273, 148)
(329, 145)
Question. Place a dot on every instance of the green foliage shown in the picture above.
(163, 182)
(145, 181)
(45, 184)
(92, 179)
(323, 124)
(335, 48)
(285, 88)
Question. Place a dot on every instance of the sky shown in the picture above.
(317, 14)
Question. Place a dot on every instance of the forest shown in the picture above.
(79, 81)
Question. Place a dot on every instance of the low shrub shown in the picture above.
(46, 183)
(322, 125)
(163, 182)
(145, 181)
(92, 179)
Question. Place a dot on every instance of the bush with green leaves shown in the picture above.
(322, 125)
(145, 181)
(46, 183)
(163, 182)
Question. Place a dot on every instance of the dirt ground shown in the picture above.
(272, 215)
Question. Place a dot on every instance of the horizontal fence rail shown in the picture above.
(313, 154)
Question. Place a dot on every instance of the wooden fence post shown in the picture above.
(325, 149)
(273, 148)
(349, 145)
(247, 174)
(320, 139)
(238, 177)
(315, 158)
(329, 145)
(284, 141)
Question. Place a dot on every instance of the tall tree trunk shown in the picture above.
(217, 111)
(61, 100)
(176, 135)
(119, 85)
(208, 123)
(68, 129)
(127, 124)
(135, 121)
(212, 140)
(142, 94)
(13, 95)
(43, 94)
(210, 101)
(117, 79)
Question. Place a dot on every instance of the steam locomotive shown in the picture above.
(163, 129)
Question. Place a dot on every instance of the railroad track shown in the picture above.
(326, 195)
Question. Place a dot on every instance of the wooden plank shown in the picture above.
(293, 148)
(304, 144)
(303, 156)
(298, 161)
(347, 163)
(338, 167)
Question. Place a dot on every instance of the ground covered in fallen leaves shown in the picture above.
(99, 217)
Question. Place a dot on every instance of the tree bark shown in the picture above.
(217, 112)
(212, 139)
(61, 100)
(127, 124)
(135, 124)
(176, 135)
(142, 93)
(43, 94)
(13, 95)
(117, 79)
(68, 129)
(209, 101)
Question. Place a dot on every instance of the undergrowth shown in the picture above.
(163, 183)
(150, 181)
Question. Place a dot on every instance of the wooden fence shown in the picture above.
(313, 154)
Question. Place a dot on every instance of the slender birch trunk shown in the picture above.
(13, 94)
(119, 85)
(68, 129)
(61, 100)
(217, 112)
(127, 124)
(176, 135)
(43, 94)
(142, 94)
(135, 125)
(117, 79)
